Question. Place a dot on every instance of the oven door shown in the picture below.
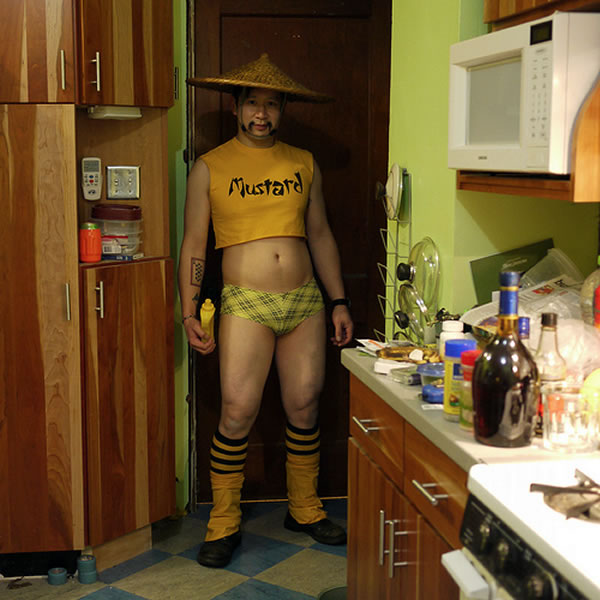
(474, 581)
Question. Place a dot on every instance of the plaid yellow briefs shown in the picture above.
(280, 312)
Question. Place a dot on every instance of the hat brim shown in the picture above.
(230, 87)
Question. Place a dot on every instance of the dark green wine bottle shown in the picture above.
(505, 378)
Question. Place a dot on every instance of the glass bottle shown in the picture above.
(551, 365)
(505, 378)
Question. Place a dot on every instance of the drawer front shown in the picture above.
(378, 428)
(430, 473)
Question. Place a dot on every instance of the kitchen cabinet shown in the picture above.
(37, 51)
(41, 475)
(129, 414)
(503, 13)
(86, 402)
(405, 501)
(87, 51)
(126, 52)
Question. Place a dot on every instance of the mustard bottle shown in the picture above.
(207, 317)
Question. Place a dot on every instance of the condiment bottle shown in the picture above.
(453, 376)
(90, 242)
(505, 378)
(207, 317)
(451, 330)
(550, 364)
(467, 361)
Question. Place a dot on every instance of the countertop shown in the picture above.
(458, 444)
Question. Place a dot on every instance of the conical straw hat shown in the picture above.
(261, 73)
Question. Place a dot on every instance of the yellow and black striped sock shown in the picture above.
(227, 460)
(302, 468)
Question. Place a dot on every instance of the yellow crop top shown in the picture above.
(257, 193)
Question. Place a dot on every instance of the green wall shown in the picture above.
(465, 225)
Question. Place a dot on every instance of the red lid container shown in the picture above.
(116, 212)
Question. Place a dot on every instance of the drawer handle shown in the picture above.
(433, 498)
(361, 426)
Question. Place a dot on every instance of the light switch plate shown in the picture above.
(123, 182)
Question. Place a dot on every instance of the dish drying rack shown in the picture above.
(399, 213)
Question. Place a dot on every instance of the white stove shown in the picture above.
(522, 547)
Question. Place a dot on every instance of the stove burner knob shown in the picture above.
(485, 535)
(541, 586)
(503, 555)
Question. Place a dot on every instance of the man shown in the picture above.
(266, 204)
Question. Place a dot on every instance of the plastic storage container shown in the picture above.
(554, 264)
(121, 228)
(586, 298)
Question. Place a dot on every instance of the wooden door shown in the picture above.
(129, 411)
(36, 53)
(41, 478)
(382, 528)
(126, 52)
(338, 48)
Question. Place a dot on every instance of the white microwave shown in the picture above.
(515, 93)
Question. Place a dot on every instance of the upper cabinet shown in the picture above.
(126, 52)
(87, 51)
(502, 13)
(37, 51)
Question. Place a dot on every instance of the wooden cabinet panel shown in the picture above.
(504, 13)
(126, 52)
(378, 428)
(129, 414)
(383, 533)
(41, 480)
(37, 53)
(426, 464)
(433, 581)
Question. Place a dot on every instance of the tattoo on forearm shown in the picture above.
(197, 271)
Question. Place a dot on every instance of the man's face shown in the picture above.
(259, 112)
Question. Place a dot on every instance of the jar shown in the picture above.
(467, 362)
(90, 242)
(451, 330)
(453, 376)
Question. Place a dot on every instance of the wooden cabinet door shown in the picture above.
(41, 478)
(36, 53)
(433, 581)
(126, 52)
(381, 531)
(129, 412)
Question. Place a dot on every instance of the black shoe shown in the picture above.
(218, 553)
(323, 531)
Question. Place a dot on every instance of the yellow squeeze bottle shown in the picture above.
(207, 317)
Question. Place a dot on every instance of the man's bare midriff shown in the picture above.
(275, 265)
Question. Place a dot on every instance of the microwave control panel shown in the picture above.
(539, 84)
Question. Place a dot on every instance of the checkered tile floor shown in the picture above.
(271, 563)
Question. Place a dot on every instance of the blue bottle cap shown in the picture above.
(509, 278)
(454, 348)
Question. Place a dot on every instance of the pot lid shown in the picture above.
(416, 311)
(423, 271)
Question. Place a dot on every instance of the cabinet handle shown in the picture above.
(382, 551)
(367, 430)
(391, 550)
(100, 289)
(68, 300)
(97, 61)
(63, 77)
(433, 498)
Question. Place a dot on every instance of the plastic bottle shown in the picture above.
(467, 362)
(505, 378)
(207, 317)
(586, 297)
(453, 376)
(451, 330)
(90, 242)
